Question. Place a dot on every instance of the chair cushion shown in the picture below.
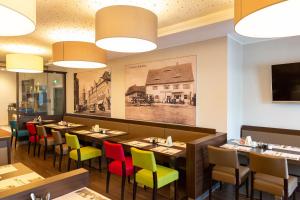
(115, 167)
(23, 133)
(227, 174)
(274, 185)
(165, 176)
(33, 138)
(65, 149)
(50, 141)
(86, 153)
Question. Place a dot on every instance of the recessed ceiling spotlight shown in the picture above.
(126, 29)
(17, 17)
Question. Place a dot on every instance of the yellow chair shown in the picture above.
(151, 175)
(81, 154)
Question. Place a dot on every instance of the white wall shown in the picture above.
(258, 108)
(235, 89)
(211, 80)
(7, 94)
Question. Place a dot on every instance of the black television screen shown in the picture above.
(286, 82)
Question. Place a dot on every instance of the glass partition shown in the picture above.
(42, 93)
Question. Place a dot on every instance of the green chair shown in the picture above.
(16, 132)
(151, 175)
(81, 154)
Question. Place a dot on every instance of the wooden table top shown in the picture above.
(292, 154)
(15, 171)
(58, 127)
(89, 135)
(4, 135)
(145, 144)
(44, 121)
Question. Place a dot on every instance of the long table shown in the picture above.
(64, 128)
(6, 137)
(98, 137)
(292, 154)
(16, 175)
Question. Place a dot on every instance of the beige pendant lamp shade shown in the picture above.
(24, 63)
(267, 18)
(75, 54)
(17, 17)
(127, 29)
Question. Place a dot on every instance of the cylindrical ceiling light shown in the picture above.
(17, 17)
(267, 18)
(75, 54)
(24, 63)
(126, 29)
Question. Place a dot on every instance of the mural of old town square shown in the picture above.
(92, 92)
(162, 91)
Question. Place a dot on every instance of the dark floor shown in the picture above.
(98, 180)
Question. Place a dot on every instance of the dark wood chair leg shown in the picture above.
(29, 143)
(154, 193)
(175, 189)
(45, 151)
(237, 191)
(60, 161)
(99, 160)
(39, 150)
(134, 190)
(123, 186)
(16, 139)
(78, 164)
(294, 195)
(107, 181)
(11, 140)
(128, 179)
(34, 149)
(90, 163)
(247, 187)
(251, 186)
(69, 164)
(260, 195)
(54, 158)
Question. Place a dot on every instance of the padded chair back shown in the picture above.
(270, 165)
(72, 141)
(13, 125)
(31, 128)
(57, 137)
(41, 131)
(143, 159)
(114, 151)
(223, 157)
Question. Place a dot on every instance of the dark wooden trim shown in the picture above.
(270, 130)
(56, 185)
(53, 71)
(146, 123)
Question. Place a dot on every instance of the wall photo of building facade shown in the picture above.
(92, 92)
(163, 91)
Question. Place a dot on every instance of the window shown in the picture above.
(167, 87)
(176, 86)
(185, 96)
(186, 86)
(154, 87)
(156, 97)
(42, 94)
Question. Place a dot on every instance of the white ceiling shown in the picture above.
(180, 22)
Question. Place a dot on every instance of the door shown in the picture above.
(59, 101)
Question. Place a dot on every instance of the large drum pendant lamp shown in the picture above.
(75, 54)
(17, 17)
(24, 63)
(127, 29)
(267, 18)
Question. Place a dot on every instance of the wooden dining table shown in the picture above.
(64, 128)
(292, 154)
(6, 137)
(97, 137)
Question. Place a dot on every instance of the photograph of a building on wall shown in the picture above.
(162, 91)
(92, 92)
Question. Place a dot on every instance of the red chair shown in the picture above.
(33, 137)
(117, 164)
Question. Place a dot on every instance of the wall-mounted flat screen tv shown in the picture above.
(286, 82)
